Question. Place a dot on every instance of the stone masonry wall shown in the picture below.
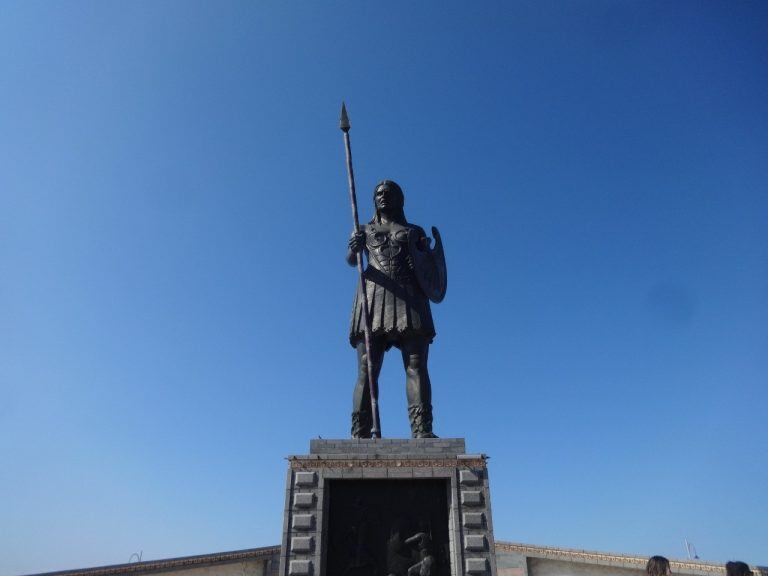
(306, 507)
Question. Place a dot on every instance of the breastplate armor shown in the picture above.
(387, 252)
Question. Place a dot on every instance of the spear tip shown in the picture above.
(344, 121)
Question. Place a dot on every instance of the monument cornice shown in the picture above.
(410, 462)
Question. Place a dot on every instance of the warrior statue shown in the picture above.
(402, 276)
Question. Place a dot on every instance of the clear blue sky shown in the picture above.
(174, 301)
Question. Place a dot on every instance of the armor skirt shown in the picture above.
(397, 309)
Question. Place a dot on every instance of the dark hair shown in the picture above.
(392, 185)
(657, 566)
(737, 568)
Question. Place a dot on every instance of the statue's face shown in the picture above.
(387, 199)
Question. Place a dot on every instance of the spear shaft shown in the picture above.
(372, 384)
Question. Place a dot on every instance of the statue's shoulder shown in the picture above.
(416, 229)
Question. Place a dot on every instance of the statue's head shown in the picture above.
(388, 198)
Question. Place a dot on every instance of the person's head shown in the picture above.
(657, 566)
(737, 568)
(388, 199)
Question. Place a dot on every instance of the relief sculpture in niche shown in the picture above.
(388, 528)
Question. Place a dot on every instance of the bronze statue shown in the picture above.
(402, 275)
(391, 307)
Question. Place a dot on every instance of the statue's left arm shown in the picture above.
(423, 242)
(428, 263)
(420, 242)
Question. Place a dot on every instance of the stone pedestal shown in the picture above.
(357, 507)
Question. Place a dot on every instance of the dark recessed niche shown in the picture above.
(369, 522)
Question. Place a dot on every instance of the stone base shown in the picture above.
(356, 507)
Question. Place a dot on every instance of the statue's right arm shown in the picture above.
(415, 538)
(356, 244)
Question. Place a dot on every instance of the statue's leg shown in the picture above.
(362, 419)
(417, 386)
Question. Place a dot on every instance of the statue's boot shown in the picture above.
(361, 424)
(421, 420)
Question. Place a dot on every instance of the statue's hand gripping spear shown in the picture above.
(372, 385)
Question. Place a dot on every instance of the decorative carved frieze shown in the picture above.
(311, 464)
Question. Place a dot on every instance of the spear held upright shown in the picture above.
(372, 385)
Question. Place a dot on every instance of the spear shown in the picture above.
(344, 125)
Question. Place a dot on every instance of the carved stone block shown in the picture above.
(473, 519)
(300, 568)
(303, 521)
(476, 565)
(471, 498)
(305, 478)
(475, 542)
(302, 544)
(468, 478)
(303, 499)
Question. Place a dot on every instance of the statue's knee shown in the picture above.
(414, 364)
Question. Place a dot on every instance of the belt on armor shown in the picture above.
(398, 275)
